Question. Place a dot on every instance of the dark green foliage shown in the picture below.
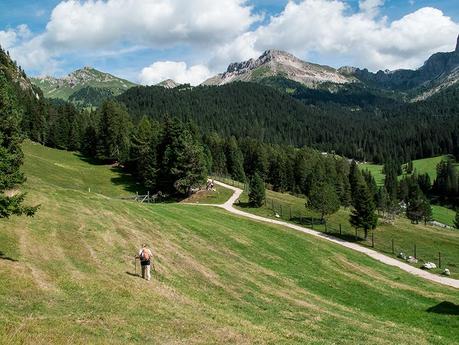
(234, 160)
(323, 199)
(91, 96)
(363, 214)
(257, 193)
(11, 157)
(143, 152)
(418, 207)
(180, 159)
(378, 132)
(114, 132)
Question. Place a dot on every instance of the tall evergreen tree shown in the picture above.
(181, 160)
(257, 192)
(363, 215)
(234, 160)
(11, 156)
(114, 132)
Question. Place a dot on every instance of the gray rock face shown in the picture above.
(168, 84)
(440, 71)
(279, 63)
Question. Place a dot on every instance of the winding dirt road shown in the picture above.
(229, 206)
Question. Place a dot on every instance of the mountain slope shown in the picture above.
(168, 84)
(87, 77)
(440, 71)
(279, 63)
(219, 279)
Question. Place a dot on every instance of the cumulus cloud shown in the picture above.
(370, 7)
(326, 28)
(177, 71)
(108, 25)
(10, 37)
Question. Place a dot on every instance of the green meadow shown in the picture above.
(68, 276)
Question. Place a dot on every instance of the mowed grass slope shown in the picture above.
(429, 240)
(219, 279)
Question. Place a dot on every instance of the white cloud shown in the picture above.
(177, 71)
(325, 27)
(95, 23)
(92, 26)
(8, 38)
(370, 7)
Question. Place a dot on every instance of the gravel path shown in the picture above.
(370, 252)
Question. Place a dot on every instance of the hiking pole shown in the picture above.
(135, 265)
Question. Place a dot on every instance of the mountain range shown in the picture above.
(88, 86)
(81, 85)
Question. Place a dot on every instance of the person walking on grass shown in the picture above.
(145, 257)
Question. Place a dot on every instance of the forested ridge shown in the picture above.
(369, 129)
(170, 140)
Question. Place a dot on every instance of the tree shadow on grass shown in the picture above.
(445, 307)
(126, 180)
(4, 257)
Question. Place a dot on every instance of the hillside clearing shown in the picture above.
(220, 278)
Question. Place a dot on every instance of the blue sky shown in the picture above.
(178, 40)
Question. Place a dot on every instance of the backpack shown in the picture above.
(145, 255)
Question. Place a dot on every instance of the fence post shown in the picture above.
(372, 239)
(439, 260)
(415, 250)
(148, 197)
(281, 210)
(340, 231)
(393, 248)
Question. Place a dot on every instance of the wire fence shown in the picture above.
(403, 248)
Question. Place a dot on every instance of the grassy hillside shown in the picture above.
(83, 86)
(68, 275)
(429, 240)
(422, 166)
(428, 165)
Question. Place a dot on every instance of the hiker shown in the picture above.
(145, 257)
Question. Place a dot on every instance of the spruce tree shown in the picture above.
(416, 206)
(181, 160)
(143, 152)
(234, 160)
(11, 156)
(114, 132)
(257, 192)
(323, 199)
(363, 215)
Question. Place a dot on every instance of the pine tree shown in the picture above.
(323, 199)
(257, 193)
(363, 215)
(11, 156)
(416, 206)
(427, 215)
(181, 159)
(114, 132)
(234, 160)
(143, 152)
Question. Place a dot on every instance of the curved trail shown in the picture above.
(228, 205)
